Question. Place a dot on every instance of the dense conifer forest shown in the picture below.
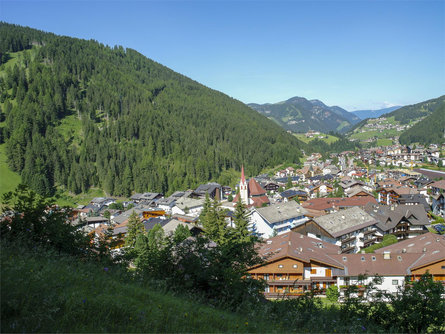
(77, 114)
(429, 130)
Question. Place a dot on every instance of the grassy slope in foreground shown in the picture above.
(49, 293)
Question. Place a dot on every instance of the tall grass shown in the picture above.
(43, 292)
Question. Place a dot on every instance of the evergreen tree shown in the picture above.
(241, 219)
(213, 221)
(289, 183)
(134, 227)
(181, 233)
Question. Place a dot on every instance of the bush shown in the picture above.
(332, 293)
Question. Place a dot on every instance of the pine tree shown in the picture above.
(135, 227)
(213, 221)
(241, 219)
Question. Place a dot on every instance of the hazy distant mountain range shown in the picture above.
(363, 114)
(298, 114)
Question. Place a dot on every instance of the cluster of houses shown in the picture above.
(402, 156)
(296, 263)
(315, 232)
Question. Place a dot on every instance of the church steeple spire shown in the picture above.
(243, 192)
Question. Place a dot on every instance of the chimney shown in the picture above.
(386, 255)
(404, 250)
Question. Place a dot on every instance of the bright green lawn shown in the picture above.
(63, 198)
(384, 142)
(330, 139)
(8, 179)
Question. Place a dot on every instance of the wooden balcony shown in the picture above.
(369, 241)
(347, 249)
(289, 282)
(369, 231)
(348, 239)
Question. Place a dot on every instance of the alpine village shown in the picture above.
(135, 199)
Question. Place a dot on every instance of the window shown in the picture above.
(373, 258)
(280, 266)
(395, 282)
(313, 271)
(295, 266)
(443, 267)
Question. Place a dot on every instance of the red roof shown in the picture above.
(243, 178)
(326, 203)
(254, 188)
(259, 201)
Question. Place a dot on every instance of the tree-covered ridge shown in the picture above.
(429, 130)
(410, 113)
(298, 114)
(80, 114)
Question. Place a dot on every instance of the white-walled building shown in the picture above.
(279, 218)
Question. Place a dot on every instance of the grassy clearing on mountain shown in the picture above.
(328, 139)
(65, 198)
(8, 179)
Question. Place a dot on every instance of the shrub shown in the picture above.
(332, 293)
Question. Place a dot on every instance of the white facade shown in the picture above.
(389, 284)
(265, 229)
(193, 212)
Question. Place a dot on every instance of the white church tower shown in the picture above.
(244, 194)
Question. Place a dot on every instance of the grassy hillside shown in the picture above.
(43, 292)
(408, 114)
(409, 123)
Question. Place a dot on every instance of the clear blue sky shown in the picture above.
(355, 54)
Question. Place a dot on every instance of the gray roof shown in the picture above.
(207, 188)
(171, 226)
(388, 217)
(414, 198)
(169, 201)
(188, 203)
(282, 211)
(126, 214)
(345, 221)
(355, 190)
(145, 196)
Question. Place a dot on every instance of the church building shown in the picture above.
(252, 194)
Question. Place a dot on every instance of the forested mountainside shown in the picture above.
(298, 114)
(364, 114)
(413, 112)
(77, 113)
(429, 130)
(408, 124)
